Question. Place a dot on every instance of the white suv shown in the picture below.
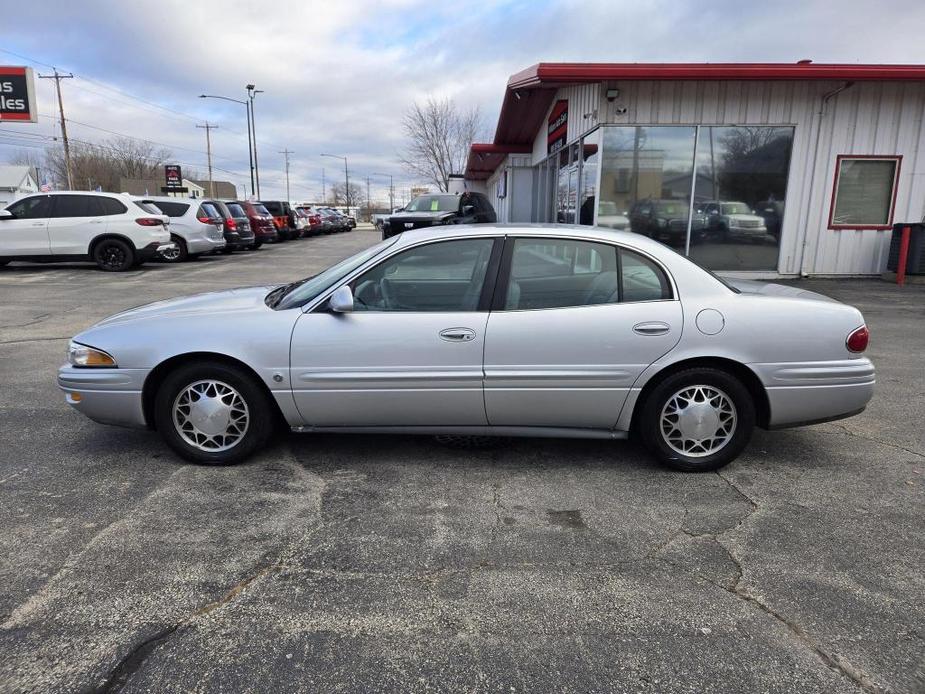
(195, 227)
(112, 230)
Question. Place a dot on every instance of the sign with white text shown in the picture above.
(17, 95)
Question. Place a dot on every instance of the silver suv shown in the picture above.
(196, 228)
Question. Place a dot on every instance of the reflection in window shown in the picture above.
(739, 196)
(646, 181)
(588, 190)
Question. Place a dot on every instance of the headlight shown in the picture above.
(81, 355)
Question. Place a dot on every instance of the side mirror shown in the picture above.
(341, 300)
(6, 214)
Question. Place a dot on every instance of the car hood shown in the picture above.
(225, 301)
(744, 217)
(420, 216)
(778, 290)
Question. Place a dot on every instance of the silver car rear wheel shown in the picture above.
(210, 416)
(698, 421)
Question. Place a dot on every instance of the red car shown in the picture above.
(261, 222)
(314, 219)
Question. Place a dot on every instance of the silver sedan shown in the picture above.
(482, 331)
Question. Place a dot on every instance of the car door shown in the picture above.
(75, 221)
(410, 353)
(574, 324)
(26, 232)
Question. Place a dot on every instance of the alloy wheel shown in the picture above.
(210, 415)
(698, 421)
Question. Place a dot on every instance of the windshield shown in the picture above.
(308, 289)
(670, 208)
(236, 210)
(433, 203)
(260, 209)
(736, 208)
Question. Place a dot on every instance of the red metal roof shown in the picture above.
(530, 92)
(485, 158)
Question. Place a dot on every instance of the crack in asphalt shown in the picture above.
(131, 662)
(831, 660)
(33, 339)
(847, 432)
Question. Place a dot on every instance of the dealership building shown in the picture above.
(755, 170)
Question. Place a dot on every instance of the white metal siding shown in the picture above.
(879, 118)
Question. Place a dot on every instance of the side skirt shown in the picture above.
(527, 432)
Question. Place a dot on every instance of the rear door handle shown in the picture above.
(457, 335)
(653, 328)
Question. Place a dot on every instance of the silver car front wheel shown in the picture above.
(698, 421)
(210, 416)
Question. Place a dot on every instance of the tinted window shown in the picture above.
(643, 280)
(36, 207)
(75, 206)
(220, 207)
(147, 206)
(445, 276)
(207, 209)
(274, 207)
(108, 206)
(236, 210)
(260, 209)
(434, 203)
(172, 209)
(554, 273)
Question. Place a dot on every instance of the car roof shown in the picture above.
(164, 198)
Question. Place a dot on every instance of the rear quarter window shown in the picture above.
(172, 209)
(642, 279)
(145, 205)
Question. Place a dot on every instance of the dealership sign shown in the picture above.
(17, 95)
(173, 176)
(557, 127)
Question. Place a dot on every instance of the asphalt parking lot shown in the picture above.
(381, 564)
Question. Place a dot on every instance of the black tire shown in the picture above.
(260, 411)
(113, 255)
(256, 245)
(4, 262)
(182, 252)
(650, 420)
(227, 250)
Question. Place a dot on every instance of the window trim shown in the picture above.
(504, 274)
(897, 158)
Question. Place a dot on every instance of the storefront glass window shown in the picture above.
(646, 181)
(589, 152)
(740, 195)
(566, 191)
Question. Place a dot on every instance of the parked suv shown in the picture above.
(192, 229)
(283, 217)
(315, 224)
(733, 219)
(666, 221)
(111, 230)
(441, 208)
(237, 228)
(261, 222)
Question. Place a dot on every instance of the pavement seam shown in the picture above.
(847, 432)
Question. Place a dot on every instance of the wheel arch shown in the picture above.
(159, 373)
(741, 371)
(107, 236)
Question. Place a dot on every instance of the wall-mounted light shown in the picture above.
(612, 94)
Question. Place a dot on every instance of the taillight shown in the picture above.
(231, 224)
(858, 339)
(205, 220)
(149, 221)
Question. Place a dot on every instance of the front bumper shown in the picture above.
(107, 396)
(808, 392)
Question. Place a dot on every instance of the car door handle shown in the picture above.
(38, 224)
(653, 328)
(457, 335)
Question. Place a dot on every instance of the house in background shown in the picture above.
(15, 182)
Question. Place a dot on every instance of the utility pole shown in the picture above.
(208, 128)
(391, 191)
(57, 77)
(324, 193)
(252, 91)
(367, 199)
(286, 152)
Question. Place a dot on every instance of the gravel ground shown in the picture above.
(348, 563)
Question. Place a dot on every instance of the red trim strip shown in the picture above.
(858, 227)
(13, 71)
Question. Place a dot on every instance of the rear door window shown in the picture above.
(75, 206)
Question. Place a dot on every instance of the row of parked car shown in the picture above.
(121, 231)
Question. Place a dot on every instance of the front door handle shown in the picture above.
(653, 328)
(457, 335)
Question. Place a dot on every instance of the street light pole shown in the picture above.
(391, 191)
(250, 143)
(346, 178)
(251, 93)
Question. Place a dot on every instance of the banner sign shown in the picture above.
(173, 176)
(17, 95)
(557, 127)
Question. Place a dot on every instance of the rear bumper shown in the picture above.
(107, 396)
(204, 245)
(810, 392)
(153, 250)
(265, 234)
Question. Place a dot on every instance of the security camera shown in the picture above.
(620, 110)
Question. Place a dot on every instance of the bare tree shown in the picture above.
(31, 158)
(104, 164)
(357, 195)
(439, 137)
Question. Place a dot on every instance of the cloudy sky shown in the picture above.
(338, 75)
